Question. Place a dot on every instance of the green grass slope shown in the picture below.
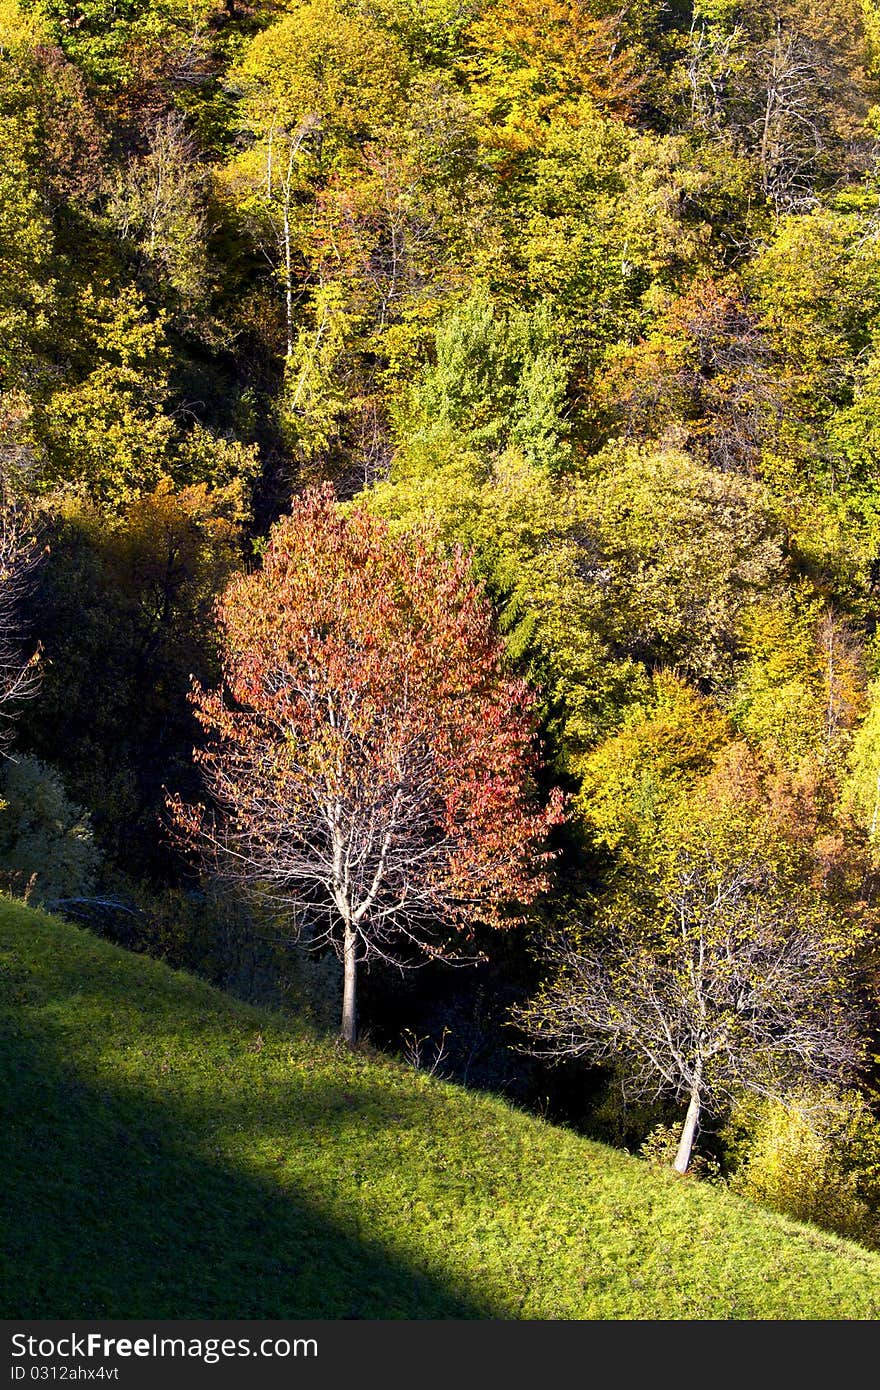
(170, 1152)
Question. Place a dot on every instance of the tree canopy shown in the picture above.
(371, 756)
(548, 338)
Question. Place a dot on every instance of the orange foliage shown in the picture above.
(372, 757)
(530, 58)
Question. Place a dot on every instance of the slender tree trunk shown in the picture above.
(349, 987)
(875, 815)
(689, 1132)
(829, 717)
(288, 275)
(770, 105)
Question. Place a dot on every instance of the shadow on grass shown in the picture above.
(110, 1211)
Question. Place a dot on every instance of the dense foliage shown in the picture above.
(587, 295)
(370, 757)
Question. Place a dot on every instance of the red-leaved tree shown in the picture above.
(371, 759)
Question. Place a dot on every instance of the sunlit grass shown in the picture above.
(170, 1152)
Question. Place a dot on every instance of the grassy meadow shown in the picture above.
(170, 1152)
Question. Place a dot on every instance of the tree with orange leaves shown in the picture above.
(372, 760)
(528, 62)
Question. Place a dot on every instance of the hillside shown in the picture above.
(507, 376)
(170, 1152)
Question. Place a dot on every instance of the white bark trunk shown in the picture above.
(349, 987)
(288, 276)
(688, 1133)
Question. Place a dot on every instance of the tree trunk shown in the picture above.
(349, 987)
(770, 105)
(288, 271)
(689, 1133)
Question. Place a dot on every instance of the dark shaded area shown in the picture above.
(113, 714)
(109, 1211)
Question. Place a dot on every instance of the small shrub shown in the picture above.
(661, 1146)
(47, 853)
(816, 1159)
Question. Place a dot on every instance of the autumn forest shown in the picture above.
(440, 543)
